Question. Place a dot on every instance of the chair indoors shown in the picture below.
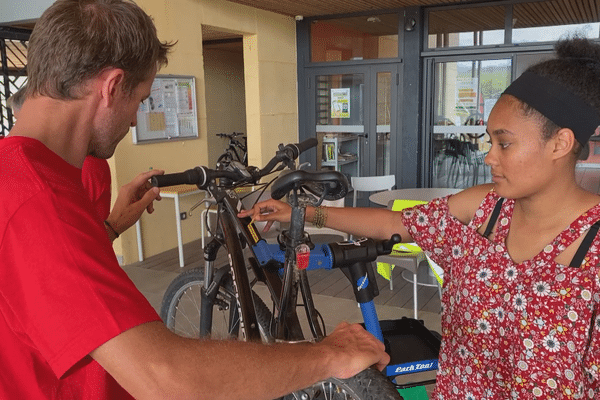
(371, 184)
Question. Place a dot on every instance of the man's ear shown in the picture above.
(564, 141)
(112, 85)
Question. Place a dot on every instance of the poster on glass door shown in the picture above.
(466, 95)
(340, 103)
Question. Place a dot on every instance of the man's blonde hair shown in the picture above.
(75, 40)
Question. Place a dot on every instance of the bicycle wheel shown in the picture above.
(180, 308)
(369, 384)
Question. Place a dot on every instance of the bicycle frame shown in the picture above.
(229, 226)
(281, 267)
(276, 268)
(236, 150)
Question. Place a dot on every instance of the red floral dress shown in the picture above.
(522, 331)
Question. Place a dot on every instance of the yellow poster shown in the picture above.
(466, 95)
(340, 103)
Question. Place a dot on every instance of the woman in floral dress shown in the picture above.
(520, 306)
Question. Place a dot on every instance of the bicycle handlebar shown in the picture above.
(202, 176)
(363, 250)
(299, 148)
(189, 177)
(287, 153)
(232, 135)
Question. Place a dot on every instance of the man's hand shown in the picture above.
(135, 197)
(353, 350)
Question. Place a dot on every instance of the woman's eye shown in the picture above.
(502, 145)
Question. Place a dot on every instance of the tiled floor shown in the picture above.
(332, 293)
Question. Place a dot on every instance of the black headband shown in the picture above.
(557, 103)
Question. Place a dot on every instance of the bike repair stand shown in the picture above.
(412, 347)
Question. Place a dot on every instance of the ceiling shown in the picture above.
(526, 14)
(314, 8)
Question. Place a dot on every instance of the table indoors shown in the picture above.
(175, 193)
(424, 194)
(425, 275)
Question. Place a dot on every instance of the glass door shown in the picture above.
(463, 96)
(382, 159)
(355, 114)
(339, 104)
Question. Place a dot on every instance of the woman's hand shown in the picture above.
(270, 211)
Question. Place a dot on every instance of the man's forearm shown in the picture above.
(151, 362)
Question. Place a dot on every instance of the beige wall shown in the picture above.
(271, 104)
(225, 97)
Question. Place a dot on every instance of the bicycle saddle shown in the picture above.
(331, 185)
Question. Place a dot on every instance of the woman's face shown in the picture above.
(520, 160)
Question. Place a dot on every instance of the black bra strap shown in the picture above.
(585, 246)
(493, 218)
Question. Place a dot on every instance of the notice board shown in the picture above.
(170, 111)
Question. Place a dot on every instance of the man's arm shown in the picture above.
(151, 362)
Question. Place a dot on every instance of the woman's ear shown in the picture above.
(564, 141)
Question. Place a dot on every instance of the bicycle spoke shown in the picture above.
(194, 327)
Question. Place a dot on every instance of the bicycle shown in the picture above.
(202, 301)
(236, 150)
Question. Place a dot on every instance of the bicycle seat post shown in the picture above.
(296, 231)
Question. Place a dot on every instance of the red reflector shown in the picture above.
(302, 256)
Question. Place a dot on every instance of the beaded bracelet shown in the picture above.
(320, 217)
(112, 229)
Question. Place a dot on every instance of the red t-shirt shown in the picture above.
(95, 176)
(62, 292)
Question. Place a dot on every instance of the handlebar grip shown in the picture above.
(299, 148)
(195, 176)
(388, 245)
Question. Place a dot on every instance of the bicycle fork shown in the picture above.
(211, 287)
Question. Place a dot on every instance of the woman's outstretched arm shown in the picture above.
(376, 223)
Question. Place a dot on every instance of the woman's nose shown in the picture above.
(490, 158)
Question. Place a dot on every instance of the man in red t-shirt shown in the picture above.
(95, 176)
(95, 173)
(96, 179)
(72, 325)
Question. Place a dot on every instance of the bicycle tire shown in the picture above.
(369, 384)
(180, 309)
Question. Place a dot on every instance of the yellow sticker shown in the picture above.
(252, 230)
